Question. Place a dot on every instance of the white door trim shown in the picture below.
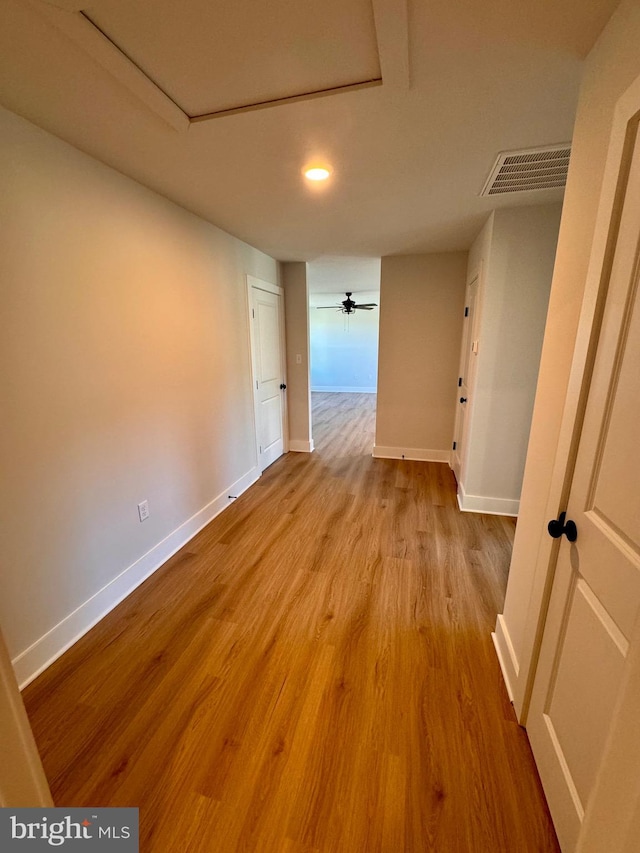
(269, 287)
(252, 281)
(469, 335)
(22, 779)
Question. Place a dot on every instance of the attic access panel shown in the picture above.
(234, 54)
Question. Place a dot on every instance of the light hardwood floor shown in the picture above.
(313, 672)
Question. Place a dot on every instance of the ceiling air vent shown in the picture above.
(531, 169)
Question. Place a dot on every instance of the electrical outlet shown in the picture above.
(143, 510)
(298, 359)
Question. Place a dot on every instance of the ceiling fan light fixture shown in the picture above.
(348, 306)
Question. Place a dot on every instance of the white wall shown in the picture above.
(516, 249)
(125, 375)
(610, 68)
(421, 312)
(344, 348)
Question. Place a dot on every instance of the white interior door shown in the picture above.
(268, 367)
(468, 351)
(587, 684)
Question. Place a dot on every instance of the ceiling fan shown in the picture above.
(348, 306)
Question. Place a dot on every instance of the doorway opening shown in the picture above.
(344, 311)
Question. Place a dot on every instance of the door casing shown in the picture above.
(467, 373)
(22, 779)
(259, 284)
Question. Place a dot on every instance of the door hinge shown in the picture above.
(466, 311)
(253, 313)
(454, 445)
(460, 382)
(260, 446)
(256, 384)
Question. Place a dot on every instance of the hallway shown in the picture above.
(314, 671)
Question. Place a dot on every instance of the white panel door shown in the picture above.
(466, 377)
(268, 363)
(592, 634)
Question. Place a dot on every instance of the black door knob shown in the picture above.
(463, 399)
(282, 386)
(558, 526)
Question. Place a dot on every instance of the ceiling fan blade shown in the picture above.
(336, 307)
(364, 307)
(367, 305)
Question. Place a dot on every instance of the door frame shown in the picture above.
(473, 328)
(261, 284)
(22, 778)
(519, 676)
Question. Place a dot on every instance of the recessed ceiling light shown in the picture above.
(317, 174)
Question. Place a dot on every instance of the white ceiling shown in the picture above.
(461, 81)
(334, 276)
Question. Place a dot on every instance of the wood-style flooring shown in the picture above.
(313, 672)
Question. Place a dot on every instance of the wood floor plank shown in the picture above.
(312, 673)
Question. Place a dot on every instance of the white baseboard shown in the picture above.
(34, 660)
(486, 505)
(506, 655)
(344, 389)
(413, 453)
(299, 446)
